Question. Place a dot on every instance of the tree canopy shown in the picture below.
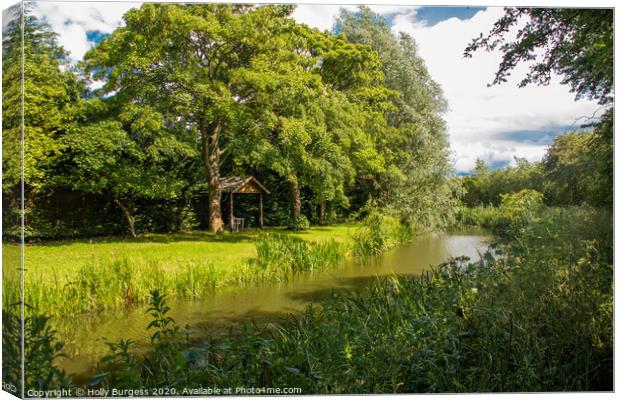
(336, 123)
(416, 183)
(576, 44)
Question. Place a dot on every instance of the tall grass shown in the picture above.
(379, 233)
(112, 283)
(283, 255)
(535, 316)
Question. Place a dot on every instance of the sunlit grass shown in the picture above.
(69, 277)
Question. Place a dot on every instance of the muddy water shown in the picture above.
(85, 335)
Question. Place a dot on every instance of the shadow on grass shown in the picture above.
(194, 236)
(191, 236)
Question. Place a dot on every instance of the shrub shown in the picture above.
(299, 223)
(42, 348)
(379, 233)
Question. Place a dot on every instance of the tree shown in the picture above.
(123, 159)
(308, 106)
(573, 173)
(574, 43)
(486, 186)
(179, 60)
(51, 95)
(416, 180)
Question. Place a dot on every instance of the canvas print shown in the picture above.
(297, 199)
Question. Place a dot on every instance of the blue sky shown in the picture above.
(495, 124)
(433, 15)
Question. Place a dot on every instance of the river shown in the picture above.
(85, 335)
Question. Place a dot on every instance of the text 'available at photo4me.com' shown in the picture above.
(157, 392)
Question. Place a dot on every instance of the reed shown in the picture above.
(535, 316)
(280, 256)
(112, 282)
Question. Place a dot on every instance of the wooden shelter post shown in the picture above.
(260, 207)
(231, 217)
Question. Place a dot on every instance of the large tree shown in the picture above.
(416, 183)
(309, 106)
(179, 60)
(51, 96)
(123, 158)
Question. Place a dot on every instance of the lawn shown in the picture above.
(65, 277)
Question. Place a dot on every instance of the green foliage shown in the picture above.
(415, 182)
(308, 117)
(336, 118)
(166, 360)
(486, 186)
(576, 169)
(51, 96)
(574, 43)
(379, 233)
(191, 266)
(41, 346)
(299, 223)
(533, 315)
(488, 217)
(164, 326)
(281, 255)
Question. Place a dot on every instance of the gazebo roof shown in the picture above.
(242, 184)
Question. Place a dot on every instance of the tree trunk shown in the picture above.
(322, 213)
(295, 200)
(128, 218)
(211, 152)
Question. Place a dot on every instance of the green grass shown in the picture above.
(536, 316)
(69, 277)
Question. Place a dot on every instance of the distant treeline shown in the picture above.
(333, 124)
(577, 169)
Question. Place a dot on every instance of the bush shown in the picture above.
(42, 348)
(379, 233)
(299, 223)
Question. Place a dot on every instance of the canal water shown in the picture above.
(85, 336)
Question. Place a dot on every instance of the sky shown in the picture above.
(491, 123)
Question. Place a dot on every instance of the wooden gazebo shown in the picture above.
(242, 185)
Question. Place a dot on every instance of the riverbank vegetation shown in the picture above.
(534, 314)
(340, 128)
(69, 277)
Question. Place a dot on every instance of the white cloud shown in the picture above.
(72, 21)
(479, 113)
(323, 16)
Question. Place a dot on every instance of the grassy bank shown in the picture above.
(69, 277)
(535, 315)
